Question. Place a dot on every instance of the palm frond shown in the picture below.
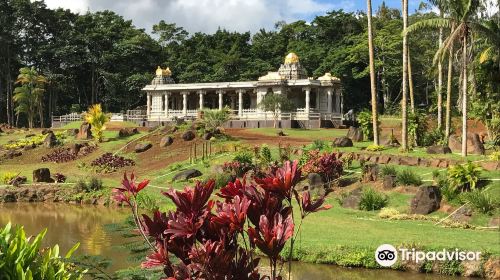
(432, 23)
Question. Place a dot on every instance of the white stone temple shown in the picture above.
(318, 102)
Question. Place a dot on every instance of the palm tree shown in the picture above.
(29, 95)
(404, 113)
(462, 16)
(372, 74)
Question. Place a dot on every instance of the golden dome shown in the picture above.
(163, 72)
(291, 58)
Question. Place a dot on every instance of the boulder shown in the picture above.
(207, 136)
(474, 144)
(370, 173)
(410, 161)
(426, 200)
(454, 143)
(126, 132)
(42, 175)
(462, 215)
(84, 131)
(186, 175)
(166, 141)
(438, 149)
(12, 154)
(490, 165)
(389, 182)
(471, 268)
(352, 199)
(75, 148)
(18, 180)
(29, 147)
(355, 134)
(50, 140)
(46, 131)
(492, 268)
(342, 142)
(188, 135)
(142, 147)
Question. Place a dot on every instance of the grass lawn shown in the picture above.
(313, 134)
(77, 124)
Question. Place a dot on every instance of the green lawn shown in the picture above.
(311, 134)
(77, 124)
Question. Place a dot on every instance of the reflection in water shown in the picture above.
(69, 224)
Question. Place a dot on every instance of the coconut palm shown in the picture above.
(97, 120)
(372, 74)
(462, 16)
(404, 101)
(29, 95)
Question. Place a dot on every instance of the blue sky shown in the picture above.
(209, 15)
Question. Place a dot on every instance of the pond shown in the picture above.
(68, 224)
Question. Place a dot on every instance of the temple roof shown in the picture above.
(291, 58)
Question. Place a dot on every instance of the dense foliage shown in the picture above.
(22, 257)
(110, 163)
(59, 155)
(210, 238)
(464, 177)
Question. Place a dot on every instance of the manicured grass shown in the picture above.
(311, 134)
(77, 124)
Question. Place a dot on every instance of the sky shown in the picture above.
(208, 15)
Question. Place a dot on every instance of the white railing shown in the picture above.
(68, 118)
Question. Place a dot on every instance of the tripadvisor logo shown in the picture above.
(386, 255)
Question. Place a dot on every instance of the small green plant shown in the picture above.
(318, 144)
(480, 200)
(464, 177)
(372, 200)
(388, 170)
(243, 156)
(23, 258)
(222, 179)
(375, 148)
(6, 177)
(265, 154)
(147, 201)
(447, 191)
(347, 160)
(175, 166)
(366, 123)
(388, 213)
(93, 184)
(408, 177)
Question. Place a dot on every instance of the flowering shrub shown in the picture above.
(109, 163)
(35, 140)
(59, 178)
(209, 239)
(65, 154)
(236, 168)
(326, 165)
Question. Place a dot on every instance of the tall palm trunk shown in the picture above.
(464, 96)
(410, 83)
(404, 113)
(440, 81)
(448, 93)
(372, 74)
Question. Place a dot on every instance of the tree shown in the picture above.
(212, 119)
(404, 101)
(29, 95)
(276, 103)
(97, 119)
(372, 74)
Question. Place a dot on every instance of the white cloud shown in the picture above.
(208, 15)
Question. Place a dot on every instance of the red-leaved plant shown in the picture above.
(217, 238)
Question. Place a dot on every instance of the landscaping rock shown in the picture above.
(490, 165)
(186, 175)
(75, 148)
(438, 149)
(471, 268)
(494, 222)
(410, 161)
(29, 135)
(281, 133)
(29, 147)
(389, 182)
(42, 175)
(462, 215)
(355, 134)
(166, 141)
(84, 132)
(315, 180)
(46, 131)
(142, 147)
(426, 200)
(384, 159)
(188, 135)
(492, 268)
(50, 140)
(72, 132)
(207, 136)
(12, 154)
(126, 132)
(18, 180)
(370, 173)
(352, 200)
(391, 142)
(454, 143)
(477, 144)
(342, 142)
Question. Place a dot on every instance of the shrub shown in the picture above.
(447, 191)
(64, 154)
(347, 160)
(495, 156)
(6, 177)
(433, 137)
(91, 185)
(372, 200)
(222, 179)
(35, 140)
(97, 119)
(326, 165)
(408, 177)
(244, 157)
(417, 127)
(318, 144)
(265, 154)
(366, 123)
(59, 178)
(388, 170)
(23, 258)
(388, 213)
(480, 200)
(464, 177)
(236, 168)
(375, 148)
(213, 119)
(110, 163)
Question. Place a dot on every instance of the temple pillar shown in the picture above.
(184, 102)
(148, 105)
(221, 102)
(308, 99)
(330, 99)
(240, 102)
(201, 93)
(165, 104)
(338, 100)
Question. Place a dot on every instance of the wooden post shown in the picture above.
(191, 154)
(195, 151)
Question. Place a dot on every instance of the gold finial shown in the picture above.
(159, 71)
(291, 58)
(167, 72)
